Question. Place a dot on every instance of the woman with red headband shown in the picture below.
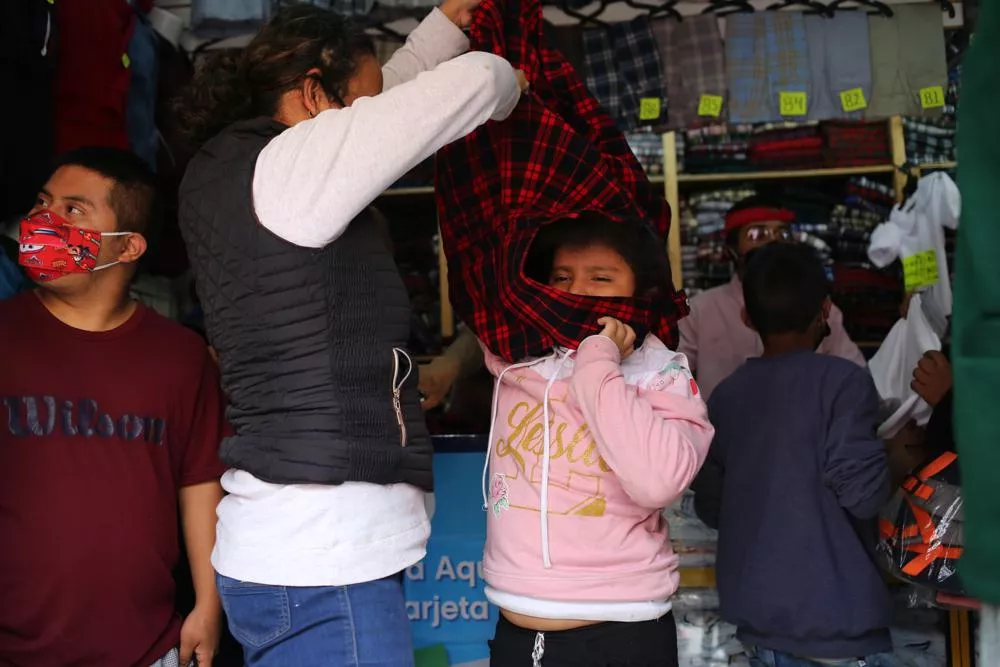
(714, 337)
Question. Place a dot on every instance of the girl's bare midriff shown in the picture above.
(543, 624)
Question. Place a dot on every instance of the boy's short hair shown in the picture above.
(784, 288)
(645, 254)
(134, 198)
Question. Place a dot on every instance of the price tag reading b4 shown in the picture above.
(793, 103)
(853, 100)
(932, 97)
(710, 105)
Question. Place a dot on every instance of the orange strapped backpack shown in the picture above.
(921, 529)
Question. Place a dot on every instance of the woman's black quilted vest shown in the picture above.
(307, 338)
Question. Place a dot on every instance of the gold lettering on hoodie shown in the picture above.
(525, 445)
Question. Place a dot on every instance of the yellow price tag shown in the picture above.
(126, 61)
(932, 97)
(793, 104)
(649, 108)
(710, 105)
(853, 100)
(920, 270)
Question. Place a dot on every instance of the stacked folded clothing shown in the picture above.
(717, 148)
(648, 149)
(930, 140)
(785, 146)
(703, 252)
(869, 297)
(853, 143)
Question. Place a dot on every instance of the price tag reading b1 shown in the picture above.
(710, 105)
(920, 270)
(932, 97)
(853, 100)
(793, 104)
(649, 108)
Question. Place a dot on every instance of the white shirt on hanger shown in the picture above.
(917, 226)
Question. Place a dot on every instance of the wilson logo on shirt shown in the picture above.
(41, 416)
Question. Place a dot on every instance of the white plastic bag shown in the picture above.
(893, 365)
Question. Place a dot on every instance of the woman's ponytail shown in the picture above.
(216, 97)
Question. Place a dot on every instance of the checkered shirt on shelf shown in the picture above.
(638, 71)
(746, 69)
(787, 55)
(692, 56)
(603, 80)
(559, 154)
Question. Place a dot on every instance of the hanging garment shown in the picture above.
(847, 61)
(914, 234)
(976, 323)
(787, 59)
(558, 155)
(143, 53)
(568, 40)
(640, 75)
(908, 55)
(93, 74)
(693, 59)
(218, 19)
(746, 70)
(603, 80)
(892, 370)
(821, 102)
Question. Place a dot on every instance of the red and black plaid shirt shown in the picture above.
(558, 155)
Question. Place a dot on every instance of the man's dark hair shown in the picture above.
(784, 288)
(134, 197)
(645, 254)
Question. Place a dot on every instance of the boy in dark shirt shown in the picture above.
(793, 480)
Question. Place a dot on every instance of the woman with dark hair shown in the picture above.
(308, 314)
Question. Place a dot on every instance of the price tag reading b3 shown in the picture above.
(710, 105)
(793, 103)
(932, 97)
(920, 270)
(649, 108)
(853, 100)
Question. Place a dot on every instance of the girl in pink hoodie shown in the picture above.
(587, 447)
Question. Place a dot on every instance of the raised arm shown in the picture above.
(314, 178)
(437, 39)
(654, 441)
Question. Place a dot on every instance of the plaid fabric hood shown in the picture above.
(558, 155)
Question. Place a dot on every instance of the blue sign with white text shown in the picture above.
(444, 592)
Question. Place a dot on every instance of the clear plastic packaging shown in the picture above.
(921, 529)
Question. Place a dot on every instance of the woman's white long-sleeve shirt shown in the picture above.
(309, 184)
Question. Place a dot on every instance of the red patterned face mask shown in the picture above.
(52, 248)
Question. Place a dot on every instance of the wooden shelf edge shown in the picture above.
(774, 175)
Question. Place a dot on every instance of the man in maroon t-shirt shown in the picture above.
(110, 422)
